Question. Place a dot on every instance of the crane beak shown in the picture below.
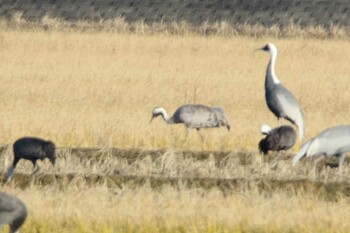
(151, 119)
(258, 49)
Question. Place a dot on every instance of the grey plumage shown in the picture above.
(333, 141)
(13, 212)
(279, 100)
(277, 139)
(195, 116)
(31, 148)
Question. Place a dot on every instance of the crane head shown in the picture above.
(157, 111)
(265, 129)
(269, 47)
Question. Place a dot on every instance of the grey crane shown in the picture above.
(194, 116)
(31, 148)
(333, 141)
(279, 100)
(13, 212)
(277, 139)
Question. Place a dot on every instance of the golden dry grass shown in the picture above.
(101, 209)
(77, 206)
(99, 88)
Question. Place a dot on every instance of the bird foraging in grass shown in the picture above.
(194, 116)
(31, 148)
(277, 139)
(333, 141)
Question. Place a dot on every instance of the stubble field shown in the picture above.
(98, 88)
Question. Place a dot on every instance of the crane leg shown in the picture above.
(261, 159)
(315, 165)
(280, 121)
(36, 168)
(200, 135)
(276, 160)
(341, 161)
(187, 132)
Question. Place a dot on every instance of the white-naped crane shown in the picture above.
(334, 141)
(279, 99)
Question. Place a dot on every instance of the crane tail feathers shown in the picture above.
(302, 152)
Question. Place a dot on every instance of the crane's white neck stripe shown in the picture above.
(164, 114)
(272, 67)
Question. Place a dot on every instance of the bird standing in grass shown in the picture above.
(194, 116)
(277, 139)
(333, 141)
(32, 149)
(13, 212)
(279, 100)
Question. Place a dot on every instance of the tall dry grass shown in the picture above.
(99, 88)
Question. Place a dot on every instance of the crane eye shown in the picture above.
(266, 48)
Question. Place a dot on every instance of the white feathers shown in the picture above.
(265, 129)
(273, 53)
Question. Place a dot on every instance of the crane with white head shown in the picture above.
(277, 139)
(279, 99)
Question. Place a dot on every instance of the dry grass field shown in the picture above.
(78, 206)
(97, 88)
(66, 199)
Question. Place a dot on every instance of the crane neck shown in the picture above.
(271, 78)
(165, 116)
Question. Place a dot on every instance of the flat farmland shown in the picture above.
(97, 89)
(176, 191)
(92, 93)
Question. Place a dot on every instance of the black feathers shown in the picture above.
(280, 138)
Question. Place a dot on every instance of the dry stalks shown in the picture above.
(222, 28)
(79, 208)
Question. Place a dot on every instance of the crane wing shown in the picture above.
(196, 116)
(334, 140)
